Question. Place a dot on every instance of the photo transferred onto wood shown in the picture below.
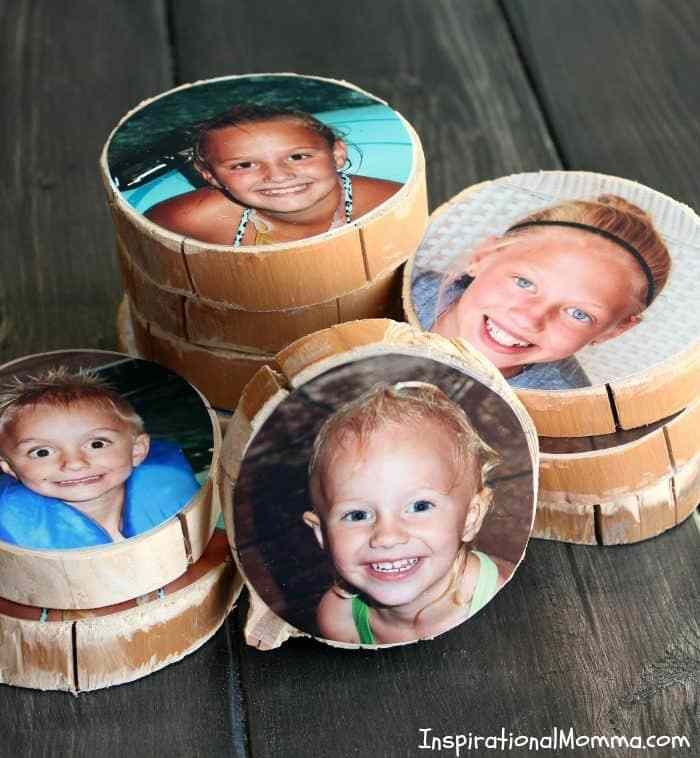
(105, 473)
(381, 500)
(259, 159)
(568, 281)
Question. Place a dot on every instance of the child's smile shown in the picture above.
(545, 296)
(280, 166)
(395, 514)
(81, 453)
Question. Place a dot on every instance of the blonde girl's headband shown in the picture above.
(631, 249)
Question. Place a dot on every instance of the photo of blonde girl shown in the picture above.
(387, 500)
(576, 275)
(398, 511)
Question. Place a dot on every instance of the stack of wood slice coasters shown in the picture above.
(620, 461)
(83, 618)
(215, 312)
(303, 449)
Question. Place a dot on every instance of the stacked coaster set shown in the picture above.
(186, 176)
(379, 480)
(570, 283)
(110, 565)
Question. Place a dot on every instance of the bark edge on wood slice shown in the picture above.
(79, 651)
(625, 492)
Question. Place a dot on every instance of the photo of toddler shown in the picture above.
(577, 273)
(384, 501)
(272, 175)
(78, 467)
(397, 482)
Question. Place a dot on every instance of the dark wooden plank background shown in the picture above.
(602, 639)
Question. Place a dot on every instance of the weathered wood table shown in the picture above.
(604, 640)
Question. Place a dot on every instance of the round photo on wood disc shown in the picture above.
(104, 491)
(266, 162)
(387, 492)
(579, 287)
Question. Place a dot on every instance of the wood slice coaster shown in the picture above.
(630, 258)
(78, 651)
(184, 281)
(620, 488)
(177, 419)
(279, 528)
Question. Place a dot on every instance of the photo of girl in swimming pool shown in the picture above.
(563, 296)
(270, 159)
(81, 466)
(408, 502)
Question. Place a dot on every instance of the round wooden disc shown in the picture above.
(619, 488)
(280, 276)
(268, 441)
(86, 650)
(657, 385)
(103, 575)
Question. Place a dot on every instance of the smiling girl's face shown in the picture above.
(392, 513)
(544, 295)
(282, 166)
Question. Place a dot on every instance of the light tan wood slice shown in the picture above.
(286, 275)
(686, 484)
(155, 250)
(300, 362)
(632, 486)
(155, 303)
(103, 575)
(88, 650)
(644, 398)
(214, 325)
(683, 434)
(606, 473)
(571, 413)
(269, 278)
(659, 392)
(556, 519)
(107, 574)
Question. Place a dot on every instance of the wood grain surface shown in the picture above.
(603, 639)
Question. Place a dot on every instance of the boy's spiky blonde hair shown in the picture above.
(59, 387)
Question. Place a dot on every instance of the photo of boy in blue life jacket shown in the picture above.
(78, 467)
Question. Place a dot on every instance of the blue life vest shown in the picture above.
(156, 490)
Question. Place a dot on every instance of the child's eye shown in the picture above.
(523, 283)
(356, 515)
(41, 452)
(579, 315)
(98, 444)
(299, 156)
(420, 506)
(242, 165)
